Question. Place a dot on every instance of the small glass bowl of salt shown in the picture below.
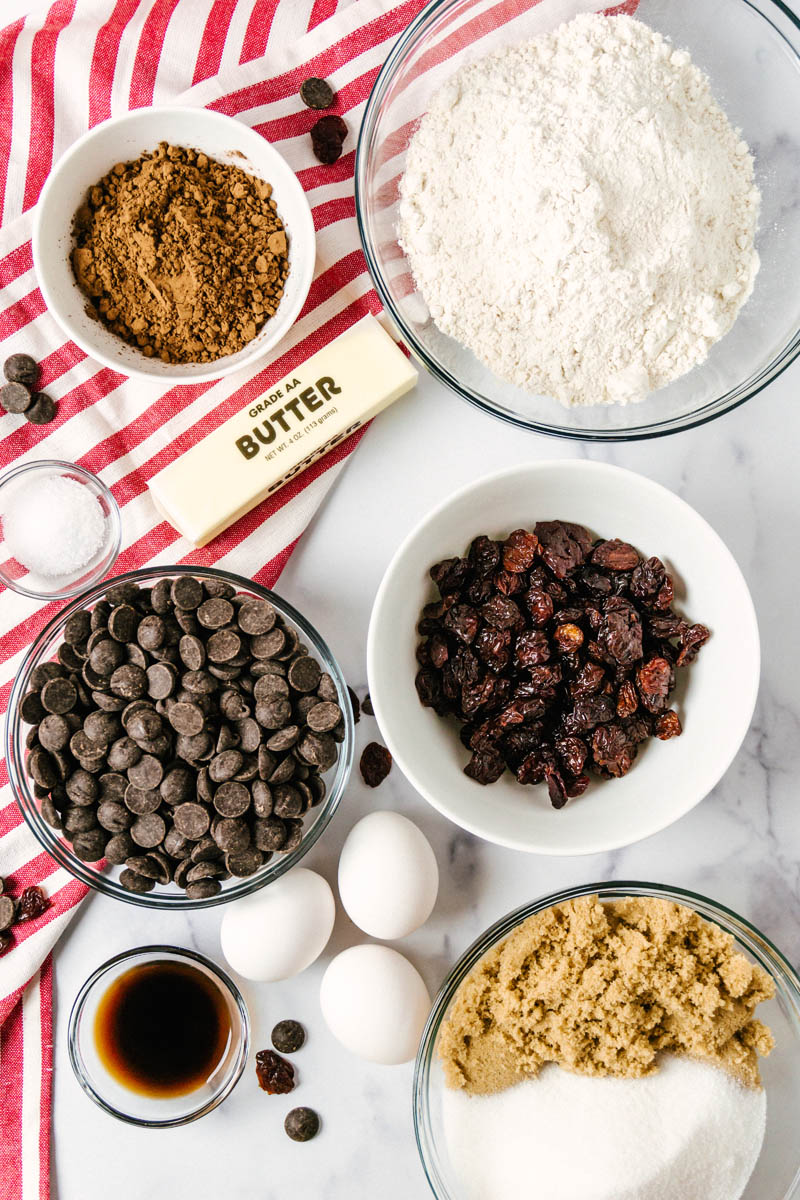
(60, 529)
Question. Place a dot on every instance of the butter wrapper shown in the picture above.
(305, 415)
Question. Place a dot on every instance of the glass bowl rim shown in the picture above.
(114, 517)
(708, 412)
(77, 1061)
(85, 872)
(756, 943)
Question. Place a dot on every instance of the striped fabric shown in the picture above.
(99, 58)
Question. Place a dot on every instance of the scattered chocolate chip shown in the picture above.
(301, 1124)
(317, 93)
(15, 398)
(366, 706)
(42, 409)
(21, 368)
(8, 912)
(288, 1036)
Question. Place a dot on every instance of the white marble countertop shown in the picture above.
(740, 846)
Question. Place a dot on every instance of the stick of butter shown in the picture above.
(305, 415)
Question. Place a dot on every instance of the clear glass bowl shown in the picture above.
(105, 880)
(777, 1172)
(16, 575)
(751, 51)
(122, 1102)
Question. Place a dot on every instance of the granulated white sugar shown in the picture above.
(578, 211)
(688, 1132)
(53, 525)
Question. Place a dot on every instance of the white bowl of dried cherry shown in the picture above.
(563, 658)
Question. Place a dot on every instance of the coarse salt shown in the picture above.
(690, 1131)
(53, 525)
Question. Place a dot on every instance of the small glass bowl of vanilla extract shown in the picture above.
(158, 1036)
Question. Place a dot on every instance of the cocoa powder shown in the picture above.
(180, 255)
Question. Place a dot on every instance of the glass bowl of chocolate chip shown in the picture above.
(178, 737)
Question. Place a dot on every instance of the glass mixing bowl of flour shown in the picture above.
(750, 50)
(777, 1172)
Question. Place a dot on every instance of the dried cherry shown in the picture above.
(32, 904)
(556, 653)
(275, 1074)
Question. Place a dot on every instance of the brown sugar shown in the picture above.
(180, 255)
(603, 989)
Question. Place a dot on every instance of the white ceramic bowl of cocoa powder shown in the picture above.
(124, 139)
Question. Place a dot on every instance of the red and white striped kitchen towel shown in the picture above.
(61, 72)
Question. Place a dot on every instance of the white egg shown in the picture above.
(388, 878)
(281, 930)
(375, 1003)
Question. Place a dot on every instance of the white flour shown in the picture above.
(578, 211)
(689, 1132)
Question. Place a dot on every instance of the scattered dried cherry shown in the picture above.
(275, 1074)
(32, 904)
(375, 764)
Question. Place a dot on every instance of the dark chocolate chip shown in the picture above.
(301, 1124)
(59, 695)
(21, 368)
(317, 93)
(148, 830)
(42, 409)
(15, 398)
(244, 862)
(192, 820)
(288, 1037)
(119, 848)
(324, 716)
(134, 882)
(203, 889)
(231, 799)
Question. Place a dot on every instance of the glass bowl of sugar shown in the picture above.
(60, 529)
(688, 1130)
